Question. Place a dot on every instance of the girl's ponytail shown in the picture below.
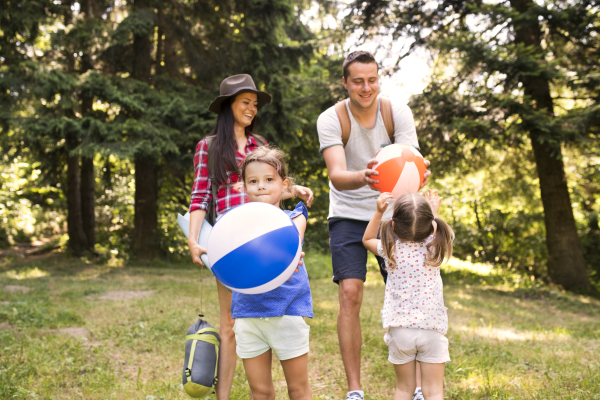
(440, 247)
(388, 242)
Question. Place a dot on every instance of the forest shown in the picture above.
(103, 103)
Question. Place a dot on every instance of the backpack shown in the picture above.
(346, 123)
(211, 213)
(201, 359)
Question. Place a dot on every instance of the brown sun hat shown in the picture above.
(234, 85)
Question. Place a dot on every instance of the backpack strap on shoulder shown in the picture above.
(212, 211)
(388, 116)
(344, 117)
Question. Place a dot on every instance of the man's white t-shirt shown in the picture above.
(360, 204)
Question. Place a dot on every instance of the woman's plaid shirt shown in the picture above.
(227, 197)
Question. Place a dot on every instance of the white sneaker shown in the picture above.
(355, 395)
(418, 394)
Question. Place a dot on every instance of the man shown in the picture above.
(352, 196)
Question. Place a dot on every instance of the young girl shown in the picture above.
(274, 321)
(414, 242)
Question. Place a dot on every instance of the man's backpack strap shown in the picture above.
(344, 117)
(387, 114)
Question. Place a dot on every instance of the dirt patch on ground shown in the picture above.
(124, 295)
(16, 288)
(5, 326)
(4, 303)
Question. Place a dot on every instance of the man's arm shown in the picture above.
(340, 177)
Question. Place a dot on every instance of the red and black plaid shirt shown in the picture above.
(227, 197)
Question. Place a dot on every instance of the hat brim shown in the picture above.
(261, 97)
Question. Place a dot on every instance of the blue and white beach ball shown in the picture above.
(254, 248)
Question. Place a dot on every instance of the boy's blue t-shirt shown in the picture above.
(293, 297)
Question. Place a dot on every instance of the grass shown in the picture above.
(510, 337)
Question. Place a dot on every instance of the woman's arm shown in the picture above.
(196, 219)
(370, 240)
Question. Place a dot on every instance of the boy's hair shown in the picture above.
(271, 156)
(358, 56)
(413, 222)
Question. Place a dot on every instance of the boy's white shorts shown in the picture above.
(287, 336)
(406, 345)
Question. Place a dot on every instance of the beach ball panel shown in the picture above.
(282, 246)
(409, 181)
(420, 163)
(389, 172)
(275, 283)
(252, 219)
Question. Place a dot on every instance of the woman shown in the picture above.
(231, 140)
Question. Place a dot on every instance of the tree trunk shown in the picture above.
(77, 238)
(145, 244)
(88, 188)
(566, 265)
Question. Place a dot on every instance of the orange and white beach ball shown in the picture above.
(401, 168)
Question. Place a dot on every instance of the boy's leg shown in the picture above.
(227, 354)
(296, 376)
(349, 330)
(258, 372)
(432, 380)
(405, 381)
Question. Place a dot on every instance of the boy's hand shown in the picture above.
(304, 194)
(382, 203)
(299, 264)
(434, 200)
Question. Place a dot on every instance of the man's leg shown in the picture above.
(348, 326)
(227, 355)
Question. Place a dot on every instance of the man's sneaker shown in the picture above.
(418, 394)
(355, 395)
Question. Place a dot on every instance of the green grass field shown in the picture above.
(89, 331)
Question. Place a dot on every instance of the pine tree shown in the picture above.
(509, 61)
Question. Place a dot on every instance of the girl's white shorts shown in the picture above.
(406, 345)
(287, 336)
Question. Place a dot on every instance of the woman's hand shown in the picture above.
(196, 251)
(382, 203)
(303, 193)
(434, 201)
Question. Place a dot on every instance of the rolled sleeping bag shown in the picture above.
(201, 359)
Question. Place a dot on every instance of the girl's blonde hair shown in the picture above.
(271, 156)
(413, 222)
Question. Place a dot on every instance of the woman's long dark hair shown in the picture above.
(224, 144)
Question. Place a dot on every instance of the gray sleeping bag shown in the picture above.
(201, 359)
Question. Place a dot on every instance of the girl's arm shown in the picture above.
(370, 240)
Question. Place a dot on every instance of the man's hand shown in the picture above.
(196, 251)
(304, 194)
(369, 173)
(427, 173)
